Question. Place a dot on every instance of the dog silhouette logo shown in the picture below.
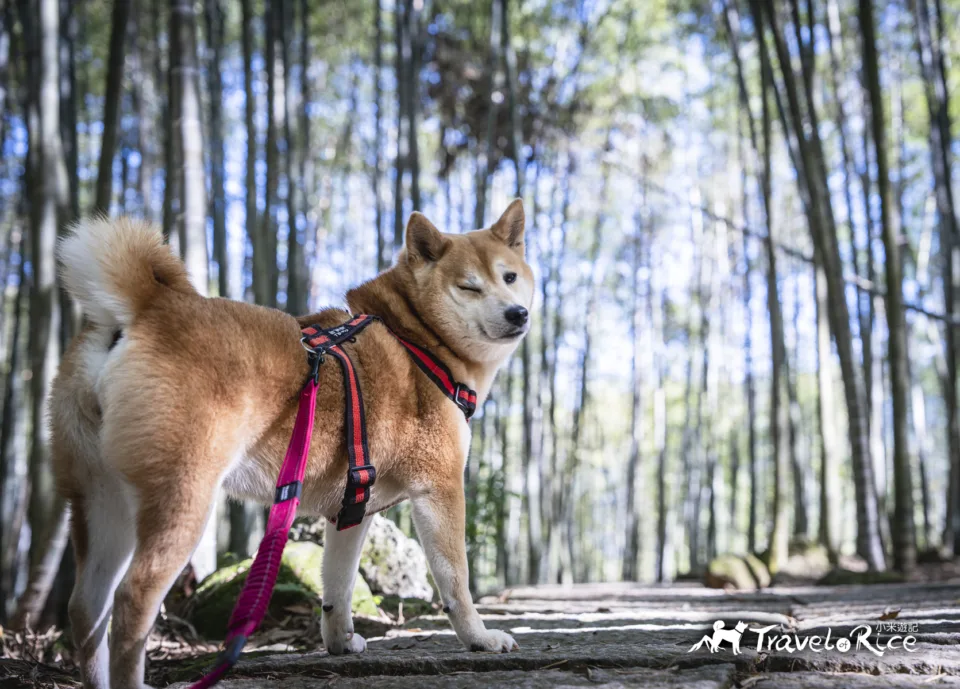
(720, 635)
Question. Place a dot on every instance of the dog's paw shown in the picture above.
(338, 636)
(350, 643)
(495, 641)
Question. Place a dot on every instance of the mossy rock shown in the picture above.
(299, 583)
(411, 607)
(845, 577)
(393, 563)
(740, 572)
(807, 563)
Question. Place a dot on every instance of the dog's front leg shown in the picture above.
(341, 559)
(439, 516)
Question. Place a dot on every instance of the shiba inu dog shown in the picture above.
(167, 396)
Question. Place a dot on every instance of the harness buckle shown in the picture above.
(460, 401)
(365, 476)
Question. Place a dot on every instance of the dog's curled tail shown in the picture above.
(114, 268)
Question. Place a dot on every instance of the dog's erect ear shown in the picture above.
(423, 239)
(509, 228)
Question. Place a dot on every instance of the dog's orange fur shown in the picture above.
(199, 393)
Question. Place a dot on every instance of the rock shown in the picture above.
(839, 576)
(854, 563)
(299, 585)
(739, 572)
(308, 529)
(806, 564)
(392, 563)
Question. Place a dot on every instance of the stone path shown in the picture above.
(622, 635)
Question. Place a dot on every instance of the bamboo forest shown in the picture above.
(740, 216)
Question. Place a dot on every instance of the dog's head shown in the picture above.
(741, 627)
(475, 290)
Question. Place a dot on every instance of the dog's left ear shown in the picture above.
(509, 228)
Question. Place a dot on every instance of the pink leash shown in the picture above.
(255, 597)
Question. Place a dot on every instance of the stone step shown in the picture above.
(711, 677)
(624, 635)
(439, 653)
(827, 680)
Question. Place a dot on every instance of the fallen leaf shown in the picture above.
(890, 614)
(299, 609)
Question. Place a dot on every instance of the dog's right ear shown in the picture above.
(423, 240)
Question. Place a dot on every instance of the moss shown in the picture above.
(227, 559)
(759, 570)
(299, 583)
(412, 607)
(304, 562)
(742, 572)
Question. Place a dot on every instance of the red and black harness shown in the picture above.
(361, 474)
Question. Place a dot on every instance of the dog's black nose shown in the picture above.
(516, 315)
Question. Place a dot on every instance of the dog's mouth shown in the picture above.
(515, 333)
(508, 334)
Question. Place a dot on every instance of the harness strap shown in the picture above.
(361, 475)
(437, 371)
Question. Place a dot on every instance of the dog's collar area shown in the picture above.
(318, 341)
(442, 377)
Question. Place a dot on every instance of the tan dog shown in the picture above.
(167, 396)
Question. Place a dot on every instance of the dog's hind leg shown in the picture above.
(170, 520)
(103, 541)
(341, 559)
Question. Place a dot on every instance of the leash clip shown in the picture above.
(315, 359)
(231, 652)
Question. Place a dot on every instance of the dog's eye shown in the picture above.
(469, 288)
(510, 278)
